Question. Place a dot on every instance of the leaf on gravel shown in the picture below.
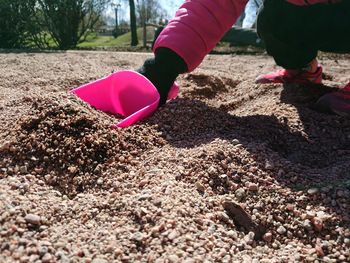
(242, 218)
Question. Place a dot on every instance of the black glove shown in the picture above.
(162, 71)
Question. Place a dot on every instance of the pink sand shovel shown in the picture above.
(127, 93)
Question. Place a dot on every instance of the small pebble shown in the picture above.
(318, 224)
(253, 187)
(100, 181)
(240, 194)
(173, 234)
(281, 230)
(32, 219)
(267, 237)
(173, 259)
(47, 258)
(313, 191)
(200, 188)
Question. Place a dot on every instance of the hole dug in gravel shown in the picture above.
(207, 86)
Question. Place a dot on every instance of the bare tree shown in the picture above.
(150, 11)
(37, 34)
(69, 21)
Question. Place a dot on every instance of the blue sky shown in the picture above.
(169, 5)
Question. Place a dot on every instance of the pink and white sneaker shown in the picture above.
(292, 76)
(337, 102)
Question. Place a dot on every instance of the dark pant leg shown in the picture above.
(293, 35)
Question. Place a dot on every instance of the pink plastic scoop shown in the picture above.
(127, 93)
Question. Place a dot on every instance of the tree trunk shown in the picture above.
(134, 40)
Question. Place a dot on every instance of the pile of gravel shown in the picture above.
(71, 145)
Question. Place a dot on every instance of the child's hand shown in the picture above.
(163, 70)
(162, 81)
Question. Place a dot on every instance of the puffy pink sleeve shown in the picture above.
(197, 27)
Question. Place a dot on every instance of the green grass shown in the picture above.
(94, 41)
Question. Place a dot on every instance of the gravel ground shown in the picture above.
(230, 171)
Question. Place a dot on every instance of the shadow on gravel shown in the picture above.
(316, 153)
(320, 141)
(328, 134)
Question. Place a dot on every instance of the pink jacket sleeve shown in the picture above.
(197, 27)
